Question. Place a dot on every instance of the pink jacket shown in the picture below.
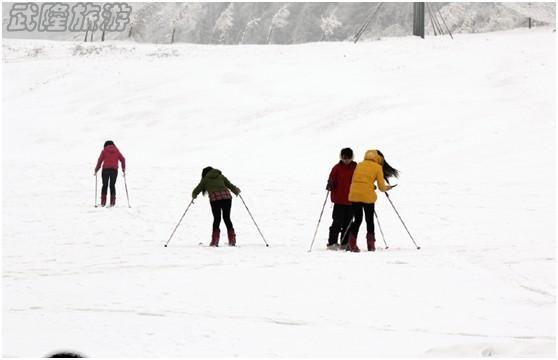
(109, 158)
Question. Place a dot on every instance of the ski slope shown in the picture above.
(470, 123)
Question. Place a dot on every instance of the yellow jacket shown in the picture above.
(366, 173)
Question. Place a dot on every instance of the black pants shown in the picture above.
(342, 216)
(224, 206)
(368, 215)
(109, 176)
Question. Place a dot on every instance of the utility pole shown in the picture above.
(529, 4)
(418, 19)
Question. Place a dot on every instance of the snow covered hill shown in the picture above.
(470, 123)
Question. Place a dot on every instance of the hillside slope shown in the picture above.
(469, 123)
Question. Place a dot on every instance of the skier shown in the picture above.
(110, 155)
(339, 183)
(220, 199)
(374, 168)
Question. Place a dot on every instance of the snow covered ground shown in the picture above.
(470, 123)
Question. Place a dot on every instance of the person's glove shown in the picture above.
(237, 191)
(329, 186)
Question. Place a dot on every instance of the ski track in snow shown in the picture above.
(466, 131)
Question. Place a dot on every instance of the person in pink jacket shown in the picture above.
(110, 155)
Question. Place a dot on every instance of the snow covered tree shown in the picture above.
(249, 25)
(329, 24)
(279, 20)
(224, 24)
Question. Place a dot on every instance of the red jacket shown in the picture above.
(339, 182)
(109, 158)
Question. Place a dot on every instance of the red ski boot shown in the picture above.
(112, 200)
(353, 243)
(232, 237)
(370, 241)
(103, 200)
(215, 238)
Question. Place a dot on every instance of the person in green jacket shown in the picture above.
(220, 199)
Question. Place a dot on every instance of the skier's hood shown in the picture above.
(213, 173)
(111, 148)
(373, 155)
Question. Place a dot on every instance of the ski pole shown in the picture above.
(249, 213)
(347, 231)
(179, 221)
(319, 219)
(380, 227)
(405, 226)
(95, 189)
(126, 187)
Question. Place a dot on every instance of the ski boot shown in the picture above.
(370, 242)
(334, 246)
(215, 238)
(232, 237)
(353, 243)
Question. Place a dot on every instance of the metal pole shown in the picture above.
(380, 227)
(96, 190)
(365, 26)
(439, 27)
(418, 19)
(434, 25)
(347, 231)
(405, 226)
(257, 227)
(446, 25)
(126, 187)
(179, 221)
(319, 219)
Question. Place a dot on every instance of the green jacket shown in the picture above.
(214, 181)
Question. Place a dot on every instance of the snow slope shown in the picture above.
(470, 123)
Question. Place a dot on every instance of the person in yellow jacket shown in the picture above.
(374, 169)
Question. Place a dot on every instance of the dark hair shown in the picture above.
(346, 153)
(65, 354)
(108, 142)
(389, 171)
(204, 172)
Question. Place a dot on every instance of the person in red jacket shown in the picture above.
(110, 155)
(339, 183)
